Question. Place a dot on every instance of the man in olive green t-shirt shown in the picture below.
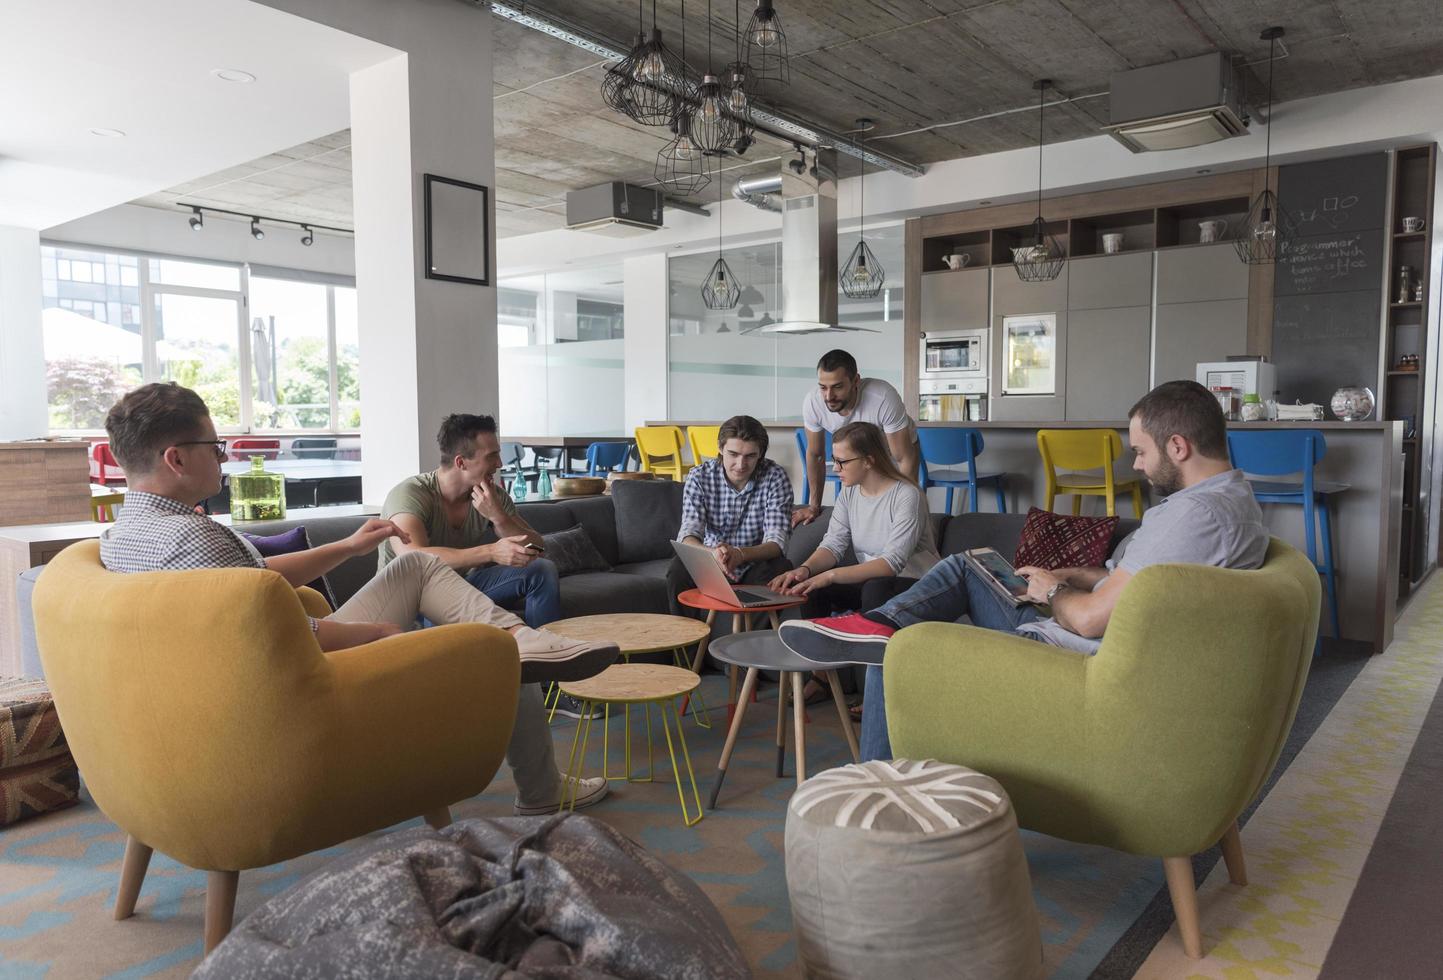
(448, 511)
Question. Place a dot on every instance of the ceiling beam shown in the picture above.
(777, 124)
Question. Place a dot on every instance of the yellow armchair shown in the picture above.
(209, 725)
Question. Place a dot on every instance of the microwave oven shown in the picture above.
(953, 355)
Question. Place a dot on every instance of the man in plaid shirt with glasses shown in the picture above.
(739, 504)
(163, 436)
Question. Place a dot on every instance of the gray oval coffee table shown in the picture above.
(761, 650)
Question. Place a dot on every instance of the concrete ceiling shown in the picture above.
(906, 63)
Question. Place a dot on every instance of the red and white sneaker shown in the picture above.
(850, 639)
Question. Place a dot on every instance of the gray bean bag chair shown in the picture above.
(543, 897)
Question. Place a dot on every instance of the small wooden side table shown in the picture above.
(741, 623)
(637, 633)
(628, 684)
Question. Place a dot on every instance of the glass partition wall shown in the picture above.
(561, 361)
(725, 362)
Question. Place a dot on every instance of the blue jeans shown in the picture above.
(948, 592)
(537, 582)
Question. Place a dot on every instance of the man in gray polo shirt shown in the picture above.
(1208, 517)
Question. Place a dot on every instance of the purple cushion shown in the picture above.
(288, 543)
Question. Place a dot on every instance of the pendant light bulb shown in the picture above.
(651, 67)
(713, 103)
(764, 33)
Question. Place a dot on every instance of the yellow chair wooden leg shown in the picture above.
(1111, 505)
(1137, 500)
(132, 876)
(220, 889)
(1076, 504)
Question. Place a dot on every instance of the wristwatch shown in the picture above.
(1054, 590)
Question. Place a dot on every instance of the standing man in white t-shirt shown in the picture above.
(842, 396)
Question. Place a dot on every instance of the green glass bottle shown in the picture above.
(518, 487)
(257, 495)
(543, 483)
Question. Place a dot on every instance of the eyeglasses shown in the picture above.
(217, 446)
(839, 462)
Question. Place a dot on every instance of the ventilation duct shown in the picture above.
(1183, 103)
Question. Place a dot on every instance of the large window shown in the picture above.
(267, 352)
(561, 357)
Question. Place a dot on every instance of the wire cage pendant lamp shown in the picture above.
(660, 80)
(681, 166)
(862, 277)
(1268, 227)
(618, 85)
(767, 46)
(713, 126)
(737, 84)
(1042, 259)
(719, 291)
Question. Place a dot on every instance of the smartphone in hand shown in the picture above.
(535, 548)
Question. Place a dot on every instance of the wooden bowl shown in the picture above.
(578, 486)
(627, 475)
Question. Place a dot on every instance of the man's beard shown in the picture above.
(1168, 478)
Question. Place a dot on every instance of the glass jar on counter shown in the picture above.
(257, 495)
(1253, 409)
(1227, 401)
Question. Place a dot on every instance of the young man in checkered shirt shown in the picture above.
(163, 436)
(739, 504)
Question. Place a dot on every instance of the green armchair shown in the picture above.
(1155, 745)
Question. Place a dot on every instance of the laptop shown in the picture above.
(711, 578)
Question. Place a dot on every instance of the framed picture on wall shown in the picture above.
(458, 230)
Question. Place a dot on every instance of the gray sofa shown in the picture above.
(632, 529)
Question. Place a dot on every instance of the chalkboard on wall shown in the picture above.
(1329, 280)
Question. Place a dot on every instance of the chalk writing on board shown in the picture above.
(1313, 263)
(1334, 212)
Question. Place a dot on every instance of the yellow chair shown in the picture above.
(659, 449)
(103, 501)
(703, 440)
(209, 725)
(1085, 449)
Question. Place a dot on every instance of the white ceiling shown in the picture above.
(144, 67)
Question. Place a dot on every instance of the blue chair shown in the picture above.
(1284, 452)
(950, 446)
(832, 477)
(604, 457)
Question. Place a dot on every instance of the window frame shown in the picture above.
(149, 290)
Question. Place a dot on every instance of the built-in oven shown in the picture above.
(954, 355)
(957, 400)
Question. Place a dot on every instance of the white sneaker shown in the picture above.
(588, 792)
(546, 656)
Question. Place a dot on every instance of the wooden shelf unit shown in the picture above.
(1414, 175)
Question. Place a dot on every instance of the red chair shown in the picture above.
(244, 449)
(103, 467)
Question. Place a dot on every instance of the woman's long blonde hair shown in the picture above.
(866, 439)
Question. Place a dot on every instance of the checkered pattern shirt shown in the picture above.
(714, 511)
(155, 533)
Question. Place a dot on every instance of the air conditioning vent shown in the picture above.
(614, 209)
(1168, 107)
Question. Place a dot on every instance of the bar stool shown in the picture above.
(956, 447)
(832, 477)
(1085, 449)
(703, 442)
(1284, 452)
(658, 448)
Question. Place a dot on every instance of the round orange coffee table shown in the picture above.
(741, 623)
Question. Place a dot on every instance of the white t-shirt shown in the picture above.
(877, 402)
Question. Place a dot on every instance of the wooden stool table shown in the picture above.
(637, 633)
(764, 650)
(741, 623)
(628, 684)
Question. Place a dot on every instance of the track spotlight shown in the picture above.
(197, 220)
(308, 237)
(256, 232)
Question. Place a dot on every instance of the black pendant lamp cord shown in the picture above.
(1268, 153)
(737, 23)
(1041, 96)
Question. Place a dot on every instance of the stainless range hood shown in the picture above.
(808, 203)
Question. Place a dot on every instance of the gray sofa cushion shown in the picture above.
(648, 515)
(651, 569)
(572, 551)
(595, 593)
(598, 516)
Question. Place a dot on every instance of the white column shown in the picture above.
(23, 410)
(645, 296)
(428, 347)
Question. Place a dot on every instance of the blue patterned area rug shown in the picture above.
(58, 873)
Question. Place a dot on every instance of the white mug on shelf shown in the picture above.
(1212, 231)
(1112, 242)
(1411, 225)
(957, 260)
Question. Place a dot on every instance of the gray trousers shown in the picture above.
(418, 584)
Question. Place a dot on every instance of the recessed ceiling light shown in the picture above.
(233, 75)
(983, 203)
(114, 134)
(1205, 170)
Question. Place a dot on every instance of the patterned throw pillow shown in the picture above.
(572, 551)
(1059, 541)
(288, 543)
